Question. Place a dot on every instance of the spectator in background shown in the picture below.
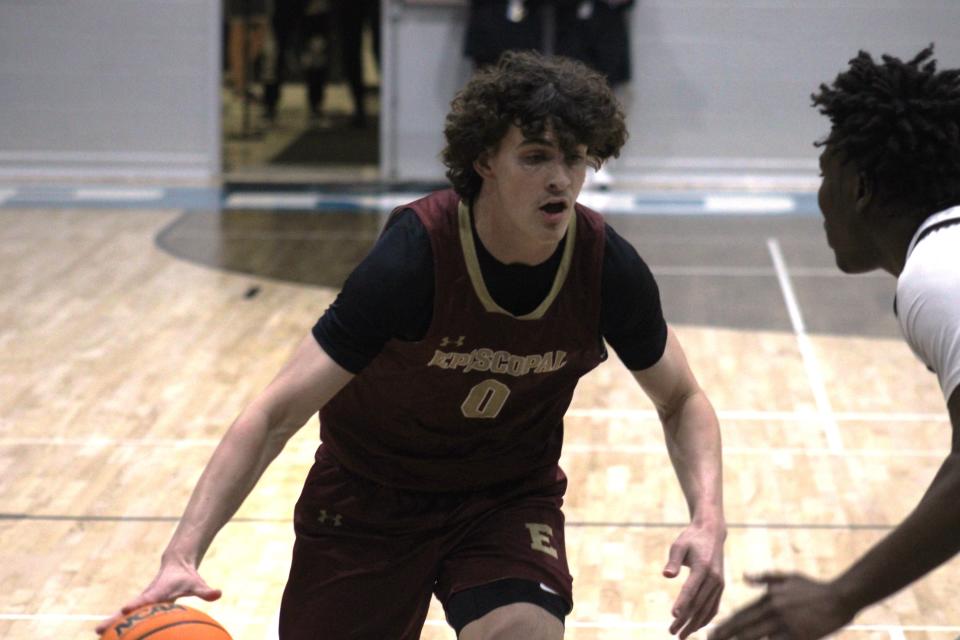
(352, 16)
(302, 29)
(285, 20)
(246, 36)
(316, 55)
(597, 33)
(495, 26)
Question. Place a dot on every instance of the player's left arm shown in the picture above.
(693, 441)
(795, 606)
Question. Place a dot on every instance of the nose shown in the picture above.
(560, 178)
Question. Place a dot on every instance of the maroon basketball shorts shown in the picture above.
(367, 558)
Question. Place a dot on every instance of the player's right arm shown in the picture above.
(305, 383)
(389, 295)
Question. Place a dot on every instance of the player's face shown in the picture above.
(532, 185)
(844, 220)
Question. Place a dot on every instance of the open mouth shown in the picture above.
(553, 207)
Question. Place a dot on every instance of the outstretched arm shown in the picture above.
(923, 541)
(305, 383)
(799, 608)
(693, 442)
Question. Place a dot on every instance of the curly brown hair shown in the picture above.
(533, 92)
(899, 122)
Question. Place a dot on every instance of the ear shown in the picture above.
(865, 192)
(482, 165)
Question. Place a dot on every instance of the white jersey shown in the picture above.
(928, 298)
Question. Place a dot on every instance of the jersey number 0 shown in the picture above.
(485, 399)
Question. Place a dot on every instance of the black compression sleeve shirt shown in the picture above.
(390, 295)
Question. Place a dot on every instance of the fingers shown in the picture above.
(163, 591)
(767, 578)
(684, 606)
(681, 606)
(126, 609)
(170, 591)
(675, 560)
(202, 590)
(209, 594)
(766, 628)
(107, 623)
(697, 603)
(140, 601)
(754, 614)
(704, 607)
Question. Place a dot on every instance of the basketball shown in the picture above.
(166, 621)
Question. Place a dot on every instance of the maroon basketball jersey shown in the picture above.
(480, 400)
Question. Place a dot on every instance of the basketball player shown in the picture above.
(889, 196)
(442, 373)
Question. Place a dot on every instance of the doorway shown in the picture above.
(301, 90)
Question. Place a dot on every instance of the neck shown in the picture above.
(894, 238)
(499, 239)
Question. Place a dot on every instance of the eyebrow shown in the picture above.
(537, 141)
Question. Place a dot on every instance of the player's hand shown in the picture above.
(701, 549)
(174, 580)
(793, 608)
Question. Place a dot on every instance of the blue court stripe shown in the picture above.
(343, 199)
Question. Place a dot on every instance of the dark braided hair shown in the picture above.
(899, 122)
(533, 92)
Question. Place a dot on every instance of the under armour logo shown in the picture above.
(446, 342)
(336, 518)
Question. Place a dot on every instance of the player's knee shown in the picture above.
(517, 621)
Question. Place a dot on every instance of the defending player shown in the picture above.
(891, 186)
(443, 371)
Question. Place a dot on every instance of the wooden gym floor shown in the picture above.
(130, 339)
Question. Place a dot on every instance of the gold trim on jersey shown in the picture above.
(476, 277)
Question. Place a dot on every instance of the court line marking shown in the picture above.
(749, 204)
(748, 272)
(577, 524)
(763, 451)
(806, 165)
(574, 524)
(272, 200)
(296, 236)
(726, 416)
(51, 616)
(101, 156)
(807, 353)
(896, 633)
(627, 624)
(751, 415)
(624, 202)
(110, 194)
(568, 448)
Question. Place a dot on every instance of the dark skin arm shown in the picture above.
(799, 608)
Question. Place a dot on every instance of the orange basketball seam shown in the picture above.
(180, 622)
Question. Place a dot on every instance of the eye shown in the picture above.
(536, 157)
